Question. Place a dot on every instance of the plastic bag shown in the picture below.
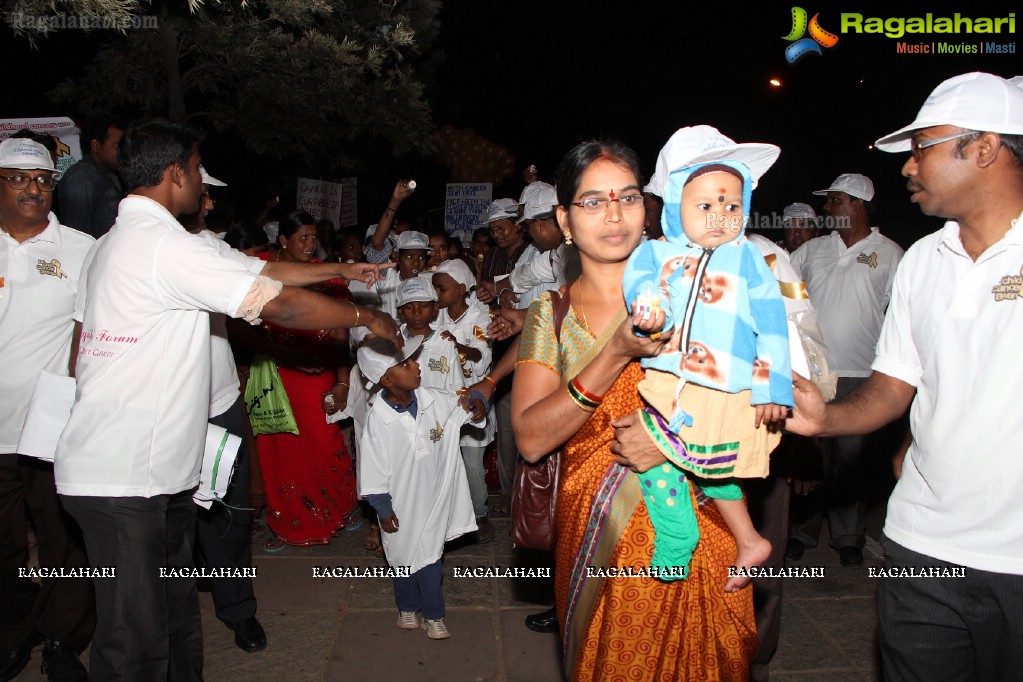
(265, 400)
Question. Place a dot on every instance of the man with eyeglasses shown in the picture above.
(950, 349)
(40, 265)
(848, 275)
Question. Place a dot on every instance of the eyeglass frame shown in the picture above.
(916, 148)
(603, 205)
(53, 177)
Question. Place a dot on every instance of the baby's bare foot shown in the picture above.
(749, 554)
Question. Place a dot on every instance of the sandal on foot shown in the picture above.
(485, 532)
(500, 510)
(258, 531)
(371, 544)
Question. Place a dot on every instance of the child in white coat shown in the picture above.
(412, 475)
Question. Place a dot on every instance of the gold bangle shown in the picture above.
(358, 315)
(341, 383)
(489, 378)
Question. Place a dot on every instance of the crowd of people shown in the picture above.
(695, 379)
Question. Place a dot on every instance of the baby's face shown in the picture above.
(711, 209)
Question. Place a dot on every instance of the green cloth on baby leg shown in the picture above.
(666, 494)
(720, 488)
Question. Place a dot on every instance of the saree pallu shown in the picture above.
(639, 628)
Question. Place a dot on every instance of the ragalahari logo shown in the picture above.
(801, 46)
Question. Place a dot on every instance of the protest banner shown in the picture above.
(61, 128)
(349, 202)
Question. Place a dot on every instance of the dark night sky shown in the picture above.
(537, 77)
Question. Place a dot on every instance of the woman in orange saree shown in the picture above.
(581, 388)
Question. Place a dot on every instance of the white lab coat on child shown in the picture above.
(470, 330)
(418, 462)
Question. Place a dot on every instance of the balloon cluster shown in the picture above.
(472, 158)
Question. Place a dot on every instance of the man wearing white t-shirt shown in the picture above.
(128, 460)
(951, 604)
(848, 276)
(40, 267)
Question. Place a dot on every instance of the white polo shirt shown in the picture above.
(139, 420)
(953, 331)
(850, 288)
(38, 284)
(225, 386)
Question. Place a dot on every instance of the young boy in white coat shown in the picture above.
(412, 474)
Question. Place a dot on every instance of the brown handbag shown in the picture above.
(535, 488)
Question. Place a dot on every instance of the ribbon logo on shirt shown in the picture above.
(870, 260)
(1009, 288)
(436, 433)
(439, 365)
(52, 268)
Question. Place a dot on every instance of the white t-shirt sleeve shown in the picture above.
(897, 354)
(190, 273)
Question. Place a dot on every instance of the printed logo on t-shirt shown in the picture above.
(52, 268)
(870, 260)
(436, 433)
(479, 333)
(440, 365)
(1009, 287)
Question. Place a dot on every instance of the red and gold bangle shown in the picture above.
(596, 399)
(487, 377)
(583, 398)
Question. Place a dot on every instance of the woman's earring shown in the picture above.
(568, 238)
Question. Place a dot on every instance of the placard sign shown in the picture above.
(321, 199)
(465, 205)
(349, 202)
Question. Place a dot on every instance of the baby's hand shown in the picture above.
(390, 524)
(769, 412)
(646, 321)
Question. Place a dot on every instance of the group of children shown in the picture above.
(722, 377)
(421, 434)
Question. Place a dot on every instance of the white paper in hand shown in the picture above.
(217, 465)
(48, 412)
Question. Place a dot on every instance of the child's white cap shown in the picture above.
(458, 271)
(417, 289)
(705, 144)
(377, 355)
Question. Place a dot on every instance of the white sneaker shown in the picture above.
(409, 620)
(435, 629)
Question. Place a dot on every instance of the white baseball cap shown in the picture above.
(705, 144)
(413, 240)
(798, 210)
(377, 355)
(975, 101)
(538, 199)
(208, 179)
(24, 154)
(417, 289)
(500, 209)
(458, 271)
(853, 184)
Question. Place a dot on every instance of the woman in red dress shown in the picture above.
(309, 479)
